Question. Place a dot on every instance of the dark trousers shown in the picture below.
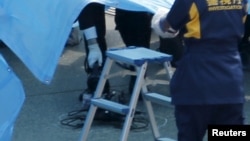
(174, 47)
(134, 27)
(94, 15)
(192, 120)
(135, 30)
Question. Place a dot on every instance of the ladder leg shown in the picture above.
(148, 103)
(88, 123)
(98, 93)
(133, 101)
(167, 66)
(150, 113)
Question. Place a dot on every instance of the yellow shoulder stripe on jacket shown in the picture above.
(193, 27)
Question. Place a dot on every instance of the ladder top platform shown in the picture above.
(137, 55)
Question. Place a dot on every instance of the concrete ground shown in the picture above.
(46, 105)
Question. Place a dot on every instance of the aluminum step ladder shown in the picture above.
(138, 57)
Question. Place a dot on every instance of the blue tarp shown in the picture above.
(11, 100)
(144, 5)
(36, 31)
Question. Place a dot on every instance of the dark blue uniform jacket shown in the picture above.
(210, 71)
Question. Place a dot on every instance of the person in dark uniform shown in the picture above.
(92, 23)
(207, 86)
(244, 46)
(135, 30)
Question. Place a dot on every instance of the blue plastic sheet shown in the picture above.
(144, 5)
(11, 100)
(36, 31)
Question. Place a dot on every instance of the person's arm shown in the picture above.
(161, 26)
(95, 54)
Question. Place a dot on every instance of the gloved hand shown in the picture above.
(95, 55)
(159, 17)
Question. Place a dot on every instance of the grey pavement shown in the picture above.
(46, 105)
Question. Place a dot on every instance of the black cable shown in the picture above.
(75, 119)
(140, 122)
(73, 122)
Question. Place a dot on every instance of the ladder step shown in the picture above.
(164, 139)
(158, 98)
(110, 105)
